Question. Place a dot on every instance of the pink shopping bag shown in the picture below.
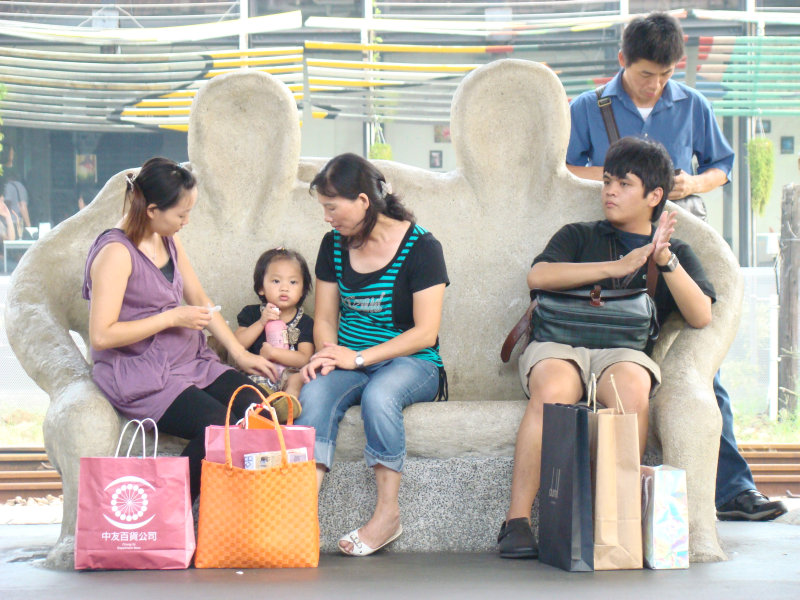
(245, 441)
(134, 513)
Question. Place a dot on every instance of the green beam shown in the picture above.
(751, 112)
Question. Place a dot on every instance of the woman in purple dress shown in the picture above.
(149, 349)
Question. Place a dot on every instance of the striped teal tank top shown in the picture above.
(365, 318)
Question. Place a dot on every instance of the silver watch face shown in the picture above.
(673, 262)
(359, 360)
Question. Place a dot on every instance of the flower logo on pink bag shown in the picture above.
(129, 502)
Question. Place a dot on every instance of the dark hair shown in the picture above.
(349, 175)
(160, 181)
(263, 262)
(657, 37)
(648, 160)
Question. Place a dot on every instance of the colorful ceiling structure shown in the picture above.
(88, 91)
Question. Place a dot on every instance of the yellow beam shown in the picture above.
(351, 83)
(375, 66)
(181, 94)
(176, 127)
(158, 102)
(271, 70)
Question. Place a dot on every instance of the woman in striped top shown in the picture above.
(380, 287)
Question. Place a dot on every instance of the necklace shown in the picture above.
(152, 255)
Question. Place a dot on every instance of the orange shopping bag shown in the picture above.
(231, 533)
(254, 420)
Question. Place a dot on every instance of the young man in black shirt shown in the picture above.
(637, 178)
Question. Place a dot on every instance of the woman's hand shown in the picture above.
(191, 317)
(256, 365)
(338, 356)
(326, 360)
(317, 364)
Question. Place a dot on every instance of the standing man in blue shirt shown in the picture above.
(646, 103)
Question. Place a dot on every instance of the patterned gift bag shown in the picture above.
(665, 517)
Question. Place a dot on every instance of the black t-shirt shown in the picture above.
(598, 241)
(424, 267)
(252, 313)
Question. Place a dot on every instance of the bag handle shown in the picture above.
(645, 493)
(139, 427)
(620, 408)
(591, 394)
(257, 408)
(228, 458)
(516, 333)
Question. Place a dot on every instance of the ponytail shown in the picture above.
(161, 182)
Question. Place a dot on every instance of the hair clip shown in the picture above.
(280, 248)
(130, 181)
(386, 188)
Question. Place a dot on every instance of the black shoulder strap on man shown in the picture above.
(604, 104)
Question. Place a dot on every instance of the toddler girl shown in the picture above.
(282, 281)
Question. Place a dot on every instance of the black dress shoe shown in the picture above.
(751, 505)
(516, 540)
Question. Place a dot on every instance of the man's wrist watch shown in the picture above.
(359, 360)
(671, 265)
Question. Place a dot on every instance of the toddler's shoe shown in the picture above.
(281, 406)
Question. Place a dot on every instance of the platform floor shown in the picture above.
(764, 564)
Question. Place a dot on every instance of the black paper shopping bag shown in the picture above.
(566, 537)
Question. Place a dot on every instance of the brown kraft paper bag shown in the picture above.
(614, 444)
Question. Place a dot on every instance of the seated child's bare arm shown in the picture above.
(290, 358)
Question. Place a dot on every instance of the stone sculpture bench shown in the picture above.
(508, 195)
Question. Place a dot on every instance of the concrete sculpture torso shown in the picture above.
(510, 193)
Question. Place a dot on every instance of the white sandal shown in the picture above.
(360, 548)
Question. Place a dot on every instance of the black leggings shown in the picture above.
(194, 409)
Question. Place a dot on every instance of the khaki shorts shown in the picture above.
(587, 360)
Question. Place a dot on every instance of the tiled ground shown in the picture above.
(763, 564)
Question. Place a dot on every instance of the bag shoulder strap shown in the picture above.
(522, 327)
(652, 272)
(652, 277)
(604, 104)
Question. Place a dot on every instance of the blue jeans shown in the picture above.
(383, 390)
(733, 472)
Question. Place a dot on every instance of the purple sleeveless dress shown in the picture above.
(143, 379)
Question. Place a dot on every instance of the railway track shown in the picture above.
(26, 472)
(775, 467)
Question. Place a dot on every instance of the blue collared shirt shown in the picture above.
(682, 120)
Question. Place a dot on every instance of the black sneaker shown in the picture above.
(751, 505)
(516, 540)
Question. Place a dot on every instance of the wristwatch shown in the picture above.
(359, 361)
(671, 265)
